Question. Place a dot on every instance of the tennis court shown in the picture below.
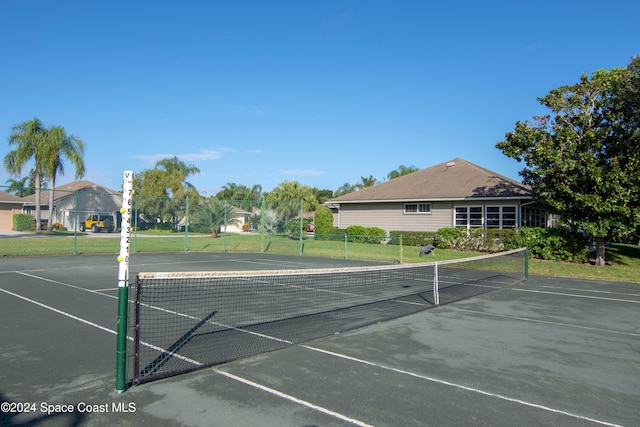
(543, 352)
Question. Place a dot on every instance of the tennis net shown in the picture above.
(189, 320)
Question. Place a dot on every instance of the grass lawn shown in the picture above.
(624, 260)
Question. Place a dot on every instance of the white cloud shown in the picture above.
(302, 172)
(202, 155)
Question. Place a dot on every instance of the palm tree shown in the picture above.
(401, 171)
(29, 138)
(60, 145)
(176, 172)
(366, 182)
(18, 187)
(213, 213)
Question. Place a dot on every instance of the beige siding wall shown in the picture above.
(391, 216)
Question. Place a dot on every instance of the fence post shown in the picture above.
(186, 225)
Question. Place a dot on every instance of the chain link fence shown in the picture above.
(170, 224)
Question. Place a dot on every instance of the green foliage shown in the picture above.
(356, 234)
(412, 238)
(401, 171)
(211, 214)
(23, 222)
(555, 244)
(582, 159)
(478, 239)
(323, 220)
(292, 227)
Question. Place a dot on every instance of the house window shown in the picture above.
(534, 217)
(417, 208)
(501, 217)
(469, 216)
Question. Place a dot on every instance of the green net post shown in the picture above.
(301, 226)
(224, 236)
(123, 283)
(262, 231)
(401, 249)
(186, 224)
(345, 245)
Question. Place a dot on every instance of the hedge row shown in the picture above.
(24, 222)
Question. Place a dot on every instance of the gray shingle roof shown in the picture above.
(66, 189)
(455, 179)
(9, 198)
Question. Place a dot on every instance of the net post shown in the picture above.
(123, 283)
(436, 290)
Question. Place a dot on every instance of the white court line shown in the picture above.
(534, 291)
(318, 408)
(460, 386)
(292, 398)
(595, 291)
(547, 322)
(196, 363)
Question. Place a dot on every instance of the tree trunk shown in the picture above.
(37, 180)
(51, 194)
(600, 257)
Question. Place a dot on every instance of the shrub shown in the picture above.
(356, 234)
(246, 227)
(23, 222)
(556, 244)
(412, 238)
(323, 220)
(375, 235)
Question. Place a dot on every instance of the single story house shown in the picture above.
(9, 205)
(74, 202)
(456, 193)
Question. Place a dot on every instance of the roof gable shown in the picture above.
(65, 190)
(455, 179)
(9, 198)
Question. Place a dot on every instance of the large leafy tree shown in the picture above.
(583, 158)
(58, 146)
(29, 139)
(162, 190)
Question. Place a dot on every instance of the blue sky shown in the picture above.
(322, 92)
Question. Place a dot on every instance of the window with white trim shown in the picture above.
(417, 208)
(468, 216)
(534, 217)
(501, 217)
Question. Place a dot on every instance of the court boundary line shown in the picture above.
(291, 398)
(459, 386)
(535, 291)
(548, 322)
(228, 375)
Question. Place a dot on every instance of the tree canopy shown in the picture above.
(401, 170)
(583, 158)
(46, 148)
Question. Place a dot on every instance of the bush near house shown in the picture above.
(412, 238)
(24, 222)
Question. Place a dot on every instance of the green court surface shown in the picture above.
(547, 352)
